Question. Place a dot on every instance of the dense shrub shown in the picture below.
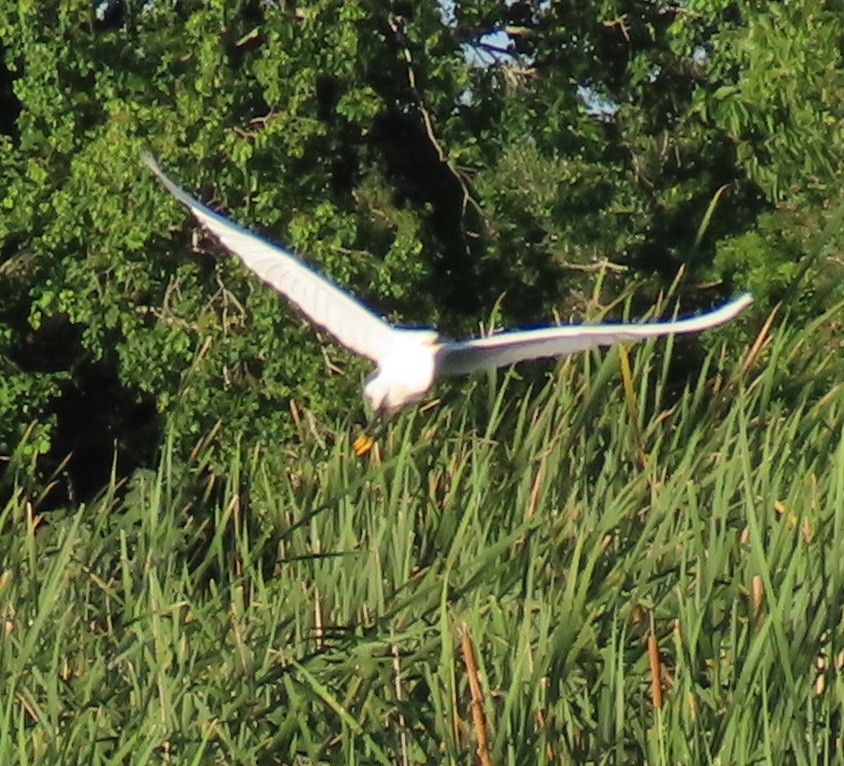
(432, 158)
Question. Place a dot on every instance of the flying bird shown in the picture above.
(408, 361)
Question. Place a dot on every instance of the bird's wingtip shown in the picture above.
(733, 308)
(742, 302)
(149, 160)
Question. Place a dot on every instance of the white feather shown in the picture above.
(408, 360)
(323, 302)
(506, 348)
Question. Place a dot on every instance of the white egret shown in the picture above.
(408, 361)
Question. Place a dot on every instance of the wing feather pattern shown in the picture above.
(323, 302)
(506, 348)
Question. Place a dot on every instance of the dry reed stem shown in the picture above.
(656, 668)
(394, 650)
(478, 717)
(318, 629)
(760, 342)
(757, 595)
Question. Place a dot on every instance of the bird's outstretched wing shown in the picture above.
(461, 357)
(323, 302)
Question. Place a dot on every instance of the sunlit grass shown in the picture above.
(489, 579)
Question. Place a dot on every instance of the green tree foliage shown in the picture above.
(430, 157)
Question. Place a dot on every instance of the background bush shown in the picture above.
(433, 158)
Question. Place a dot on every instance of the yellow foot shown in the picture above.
(362, 444)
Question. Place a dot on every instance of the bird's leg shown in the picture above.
(365, 439)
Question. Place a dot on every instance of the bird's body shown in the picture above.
(408, 361)
(405, 372)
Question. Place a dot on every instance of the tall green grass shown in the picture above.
(310, 606)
